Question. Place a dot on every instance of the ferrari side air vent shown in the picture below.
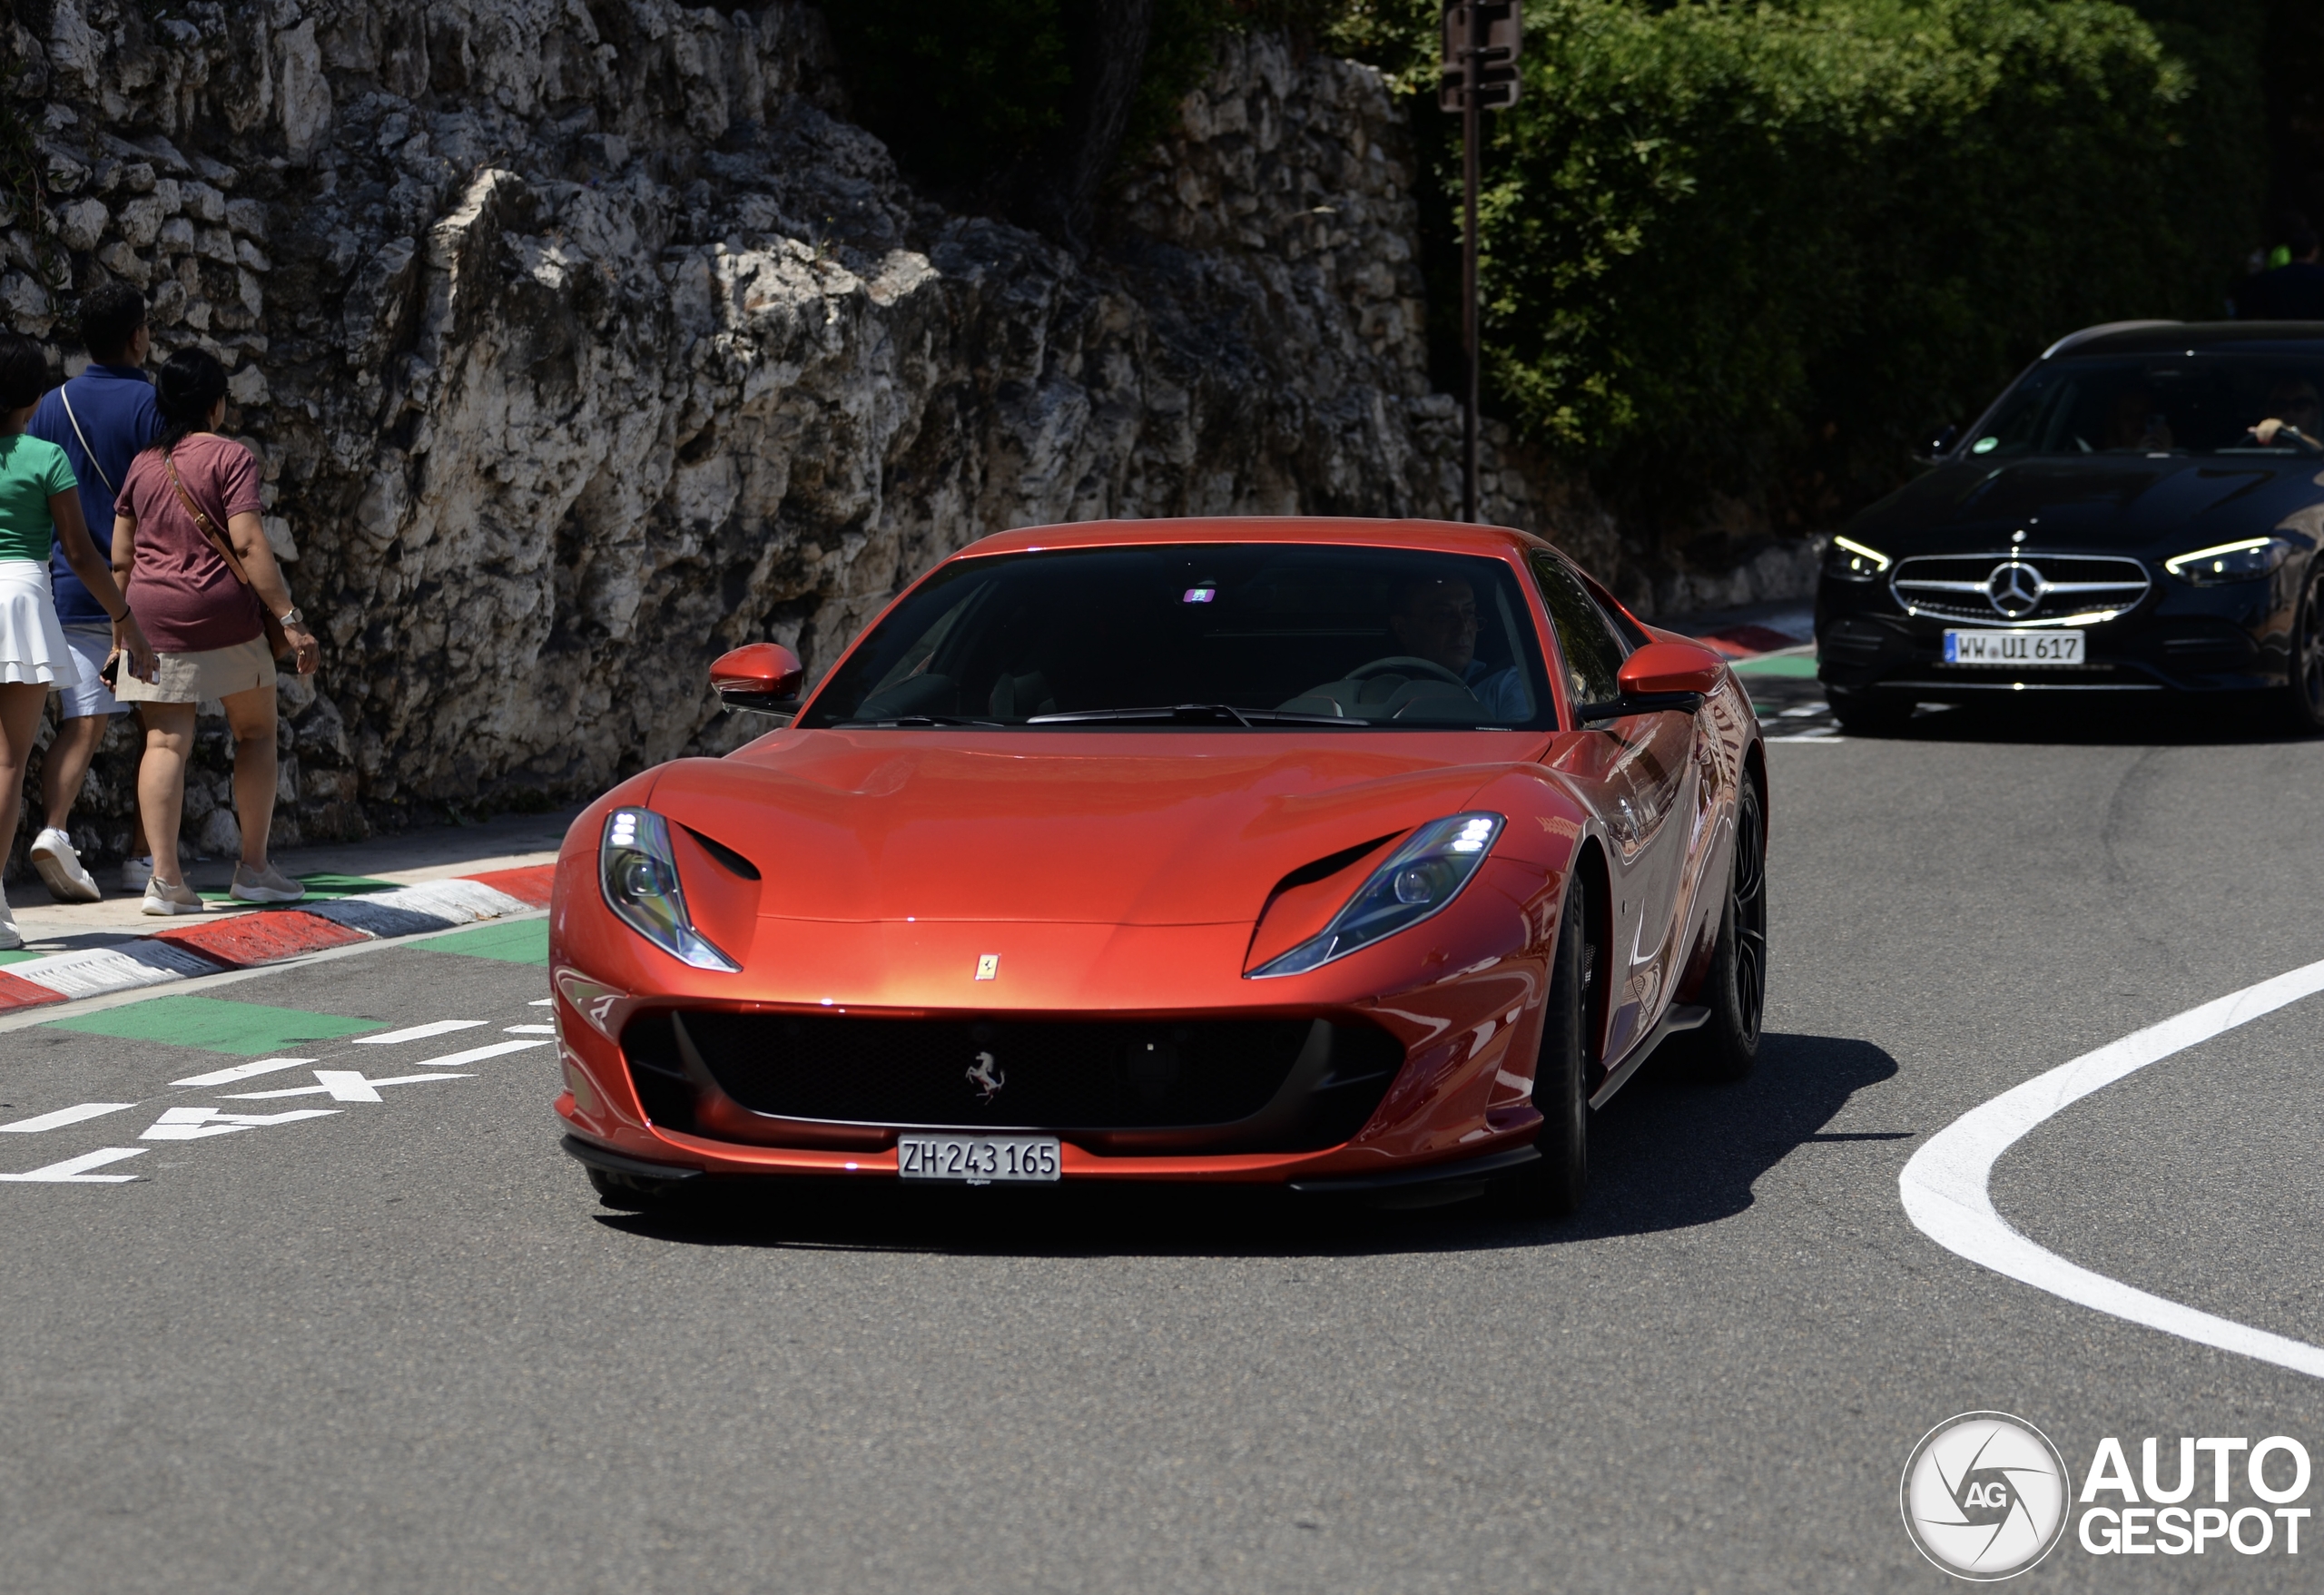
(736, 862)
(1323, 869)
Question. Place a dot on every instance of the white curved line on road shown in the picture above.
(1946, 1185)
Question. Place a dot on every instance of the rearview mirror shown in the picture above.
(1938, 447)
(1660, 676)
(764, 678)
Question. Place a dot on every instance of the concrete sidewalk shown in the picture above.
(511, 842)
(413, 884)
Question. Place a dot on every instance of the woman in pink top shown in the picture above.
(186, 502)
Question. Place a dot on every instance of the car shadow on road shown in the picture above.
(2128, 720)
(1670, 1152)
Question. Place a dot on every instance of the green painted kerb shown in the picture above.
(1796, 664)
(524, 942)
(216, 1024)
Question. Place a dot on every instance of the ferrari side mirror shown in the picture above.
(764, 678)
(1659, 677)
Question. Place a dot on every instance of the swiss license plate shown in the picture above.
(978, 1159)
(2013, 647)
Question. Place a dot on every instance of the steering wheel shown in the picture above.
(1405, 665)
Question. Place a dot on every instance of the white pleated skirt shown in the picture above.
(31, 642)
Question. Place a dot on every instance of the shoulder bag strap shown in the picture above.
(225, 549)
(65, 395)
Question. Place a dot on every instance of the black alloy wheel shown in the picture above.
(1735, 988)
(1552, 1186)
(2304, 695)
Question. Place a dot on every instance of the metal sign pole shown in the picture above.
(1471, 131)
(1481, 38)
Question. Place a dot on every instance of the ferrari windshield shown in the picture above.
(1270, 636)
(2199, 404)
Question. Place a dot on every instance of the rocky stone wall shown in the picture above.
(582, 340)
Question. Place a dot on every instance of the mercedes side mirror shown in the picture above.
(763, 678)
(1657, 677)
(1938, 447)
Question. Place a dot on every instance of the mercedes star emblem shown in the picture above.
(2014, 589)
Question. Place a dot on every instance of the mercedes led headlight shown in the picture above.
(2230, 562)
(1852, 561)
(1418, 879)
(639, 875)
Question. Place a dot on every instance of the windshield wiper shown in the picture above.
(915, 720)
(1194, 714)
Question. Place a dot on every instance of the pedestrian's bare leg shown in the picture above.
(160, 782)
(67, 765)
(251, 717)
(21, 703)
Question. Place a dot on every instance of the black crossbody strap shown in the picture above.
(65, 395)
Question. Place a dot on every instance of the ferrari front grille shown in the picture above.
(2020, 589)
(1059, 1074)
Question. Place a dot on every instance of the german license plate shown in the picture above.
(978, 1159)
(2013, 647)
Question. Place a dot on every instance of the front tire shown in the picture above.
(2303, 698)
(1736, 988)
(1553, 1186)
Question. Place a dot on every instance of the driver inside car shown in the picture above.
(1436, 620)
(2293, 407)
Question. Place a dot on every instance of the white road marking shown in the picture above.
(71, 1171)
(418, 1032)
(243, 1071)
(1946, 1185)
(540, 1002)
(342, 1085)
(476, 1054)
(63, 1117)
(191, 1123)
(528, 1029)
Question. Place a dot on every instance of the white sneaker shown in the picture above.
(170, 897)
(267, 885)
(60, 869)
(135, 872)
(10, 937)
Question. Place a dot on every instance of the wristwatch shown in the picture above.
(293, 615)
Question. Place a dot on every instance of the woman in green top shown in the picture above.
(39, 507)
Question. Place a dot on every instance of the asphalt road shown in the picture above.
(400, 1346)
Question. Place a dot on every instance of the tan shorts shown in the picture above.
(193, 678)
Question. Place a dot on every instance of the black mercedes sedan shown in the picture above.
(2141, 512)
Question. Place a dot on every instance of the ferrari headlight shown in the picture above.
(639, 875)
(1852, 561)
(2230, 562)
(1416, 881)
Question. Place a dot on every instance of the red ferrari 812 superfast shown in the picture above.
(1339, 854)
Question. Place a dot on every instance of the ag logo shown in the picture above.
(1984, 1496)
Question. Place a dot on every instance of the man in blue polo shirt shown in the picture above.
(101, 418)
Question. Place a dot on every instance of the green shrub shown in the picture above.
(1760, 249)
